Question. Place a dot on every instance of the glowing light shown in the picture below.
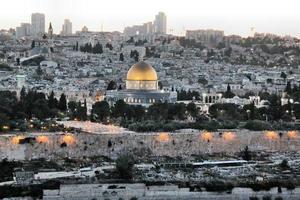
(271, 135)
(163, 137)
(69, 139)
(292, 134)
(228, 136)
(207, 136)
(5, 127)
(16, 139)
(42, 139)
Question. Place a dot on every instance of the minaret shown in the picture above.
(50, 31)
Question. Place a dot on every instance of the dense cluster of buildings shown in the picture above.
(146, 30)
(85, 76)
(38, 25)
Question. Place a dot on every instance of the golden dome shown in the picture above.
(141, 71)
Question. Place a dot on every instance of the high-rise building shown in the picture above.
(160, 23)
(37, 23)
(23, 30)
(146, 28)
(208, 37)
(67, 27)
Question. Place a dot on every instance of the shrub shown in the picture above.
(124, 166)
(278, 198)
(267, 197)
(257, 125)
(284, 164)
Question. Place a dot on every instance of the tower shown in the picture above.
(37, 24)
(50, 31)
(160, 23)
(67, 27)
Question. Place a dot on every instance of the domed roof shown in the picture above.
(141, 71)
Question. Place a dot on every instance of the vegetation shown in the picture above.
(35, 106)
(5, 67)
(135, 55)
(88, 48)
(257, 125)
(124, 166)
(187, 95)
(158, 116)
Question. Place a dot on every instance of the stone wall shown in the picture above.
(182, 143)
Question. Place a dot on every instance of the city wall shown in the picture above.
(184, 144)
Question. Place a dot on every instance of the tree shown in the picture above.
(111, 85)
(176, 111)
(124, 166)
(109, 46)
(284, 164)
(148, 52)
(76, 46)
(62, 104)
(275, 110)
(288, 88)
(192, 109)
(80, 111)
(22, 94)
(283, 75)
(119, 109)
(158, 111)
(136, 112)
(228, 52)
(135, 55)
(18, 61)
(32, 44)
(246, 154)
(101, 111)
(39, 71)
(41, 109)
(87, 48)
(97, 49)
(4, 120)
(228, 93)
(202, 81)
(160, 85)
(121, 57)
(72, 106)
(52, 101)
(227, 111)
(251, 111)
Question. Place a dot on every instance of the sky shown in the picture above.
(233, 16)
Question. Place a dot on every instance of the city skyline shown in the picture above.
(231, 16)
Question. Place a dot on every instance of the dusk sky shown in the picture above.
(232, 16)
